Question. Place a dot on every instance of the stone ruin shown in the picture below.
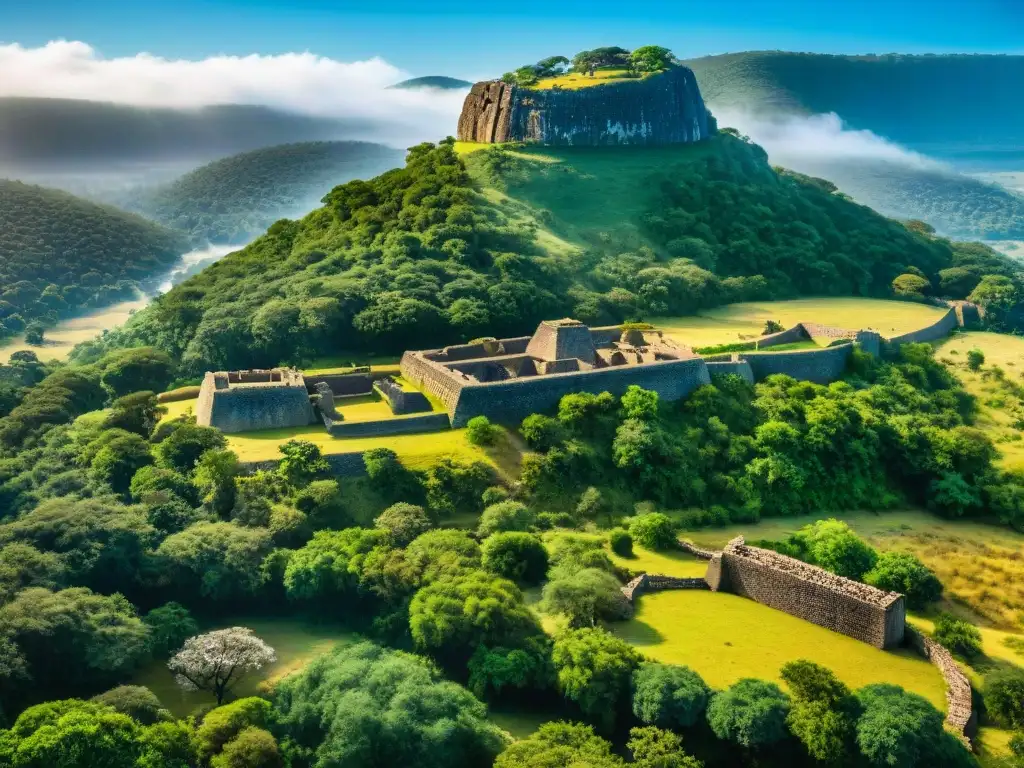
(240, 401)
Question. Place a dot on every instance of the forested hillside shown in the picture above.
(234, 199)
(60, 254)
(920, 101)
(69, 130)
(446, 249)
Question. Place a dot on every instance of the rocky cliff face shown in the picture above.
(666, 108)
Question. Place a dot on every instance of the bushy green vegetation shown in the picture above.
(60, 255)
(235, 199)
(428, 254)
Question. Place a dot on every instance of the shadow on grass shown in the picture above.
(639, 632)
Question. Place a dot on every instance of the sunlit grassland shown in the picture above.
(995, 405)
(574, 81)
(745, 322)
(63, 337)
(725, 638)
(295, 643)
(981, 566)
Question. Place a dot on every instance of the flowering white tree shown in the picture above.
(215, 661)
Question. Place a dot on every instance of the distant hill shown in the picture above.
(455, 247)
(60, 131)
(60, 254)
(234, 199)
(933, 103)
(433, 81)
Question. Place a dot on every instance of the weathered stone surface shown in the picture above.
(666, 108)
(647, 582)
(961, 718)
(241, 401)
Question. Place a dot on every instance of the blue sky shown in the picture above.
(475, 40)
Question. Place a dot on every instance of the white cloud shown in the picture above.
(300, 82)
(800, 141)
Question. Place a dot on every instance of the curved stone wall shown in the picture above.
(821, 366)
(960, 715)
(937, 330)
(647, 582)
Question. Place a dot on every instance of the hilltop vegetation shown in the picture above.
(60, 254)
(956, 101)
(446, 249)
(234, 199)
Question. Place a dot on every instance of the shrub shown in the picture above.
(1004, 696)
(480, 431)
(505, 516)
(585, 596)
(595, 669)
(653, 530)
(136, 701)
(519, 556)
(903, 572)
(669, 696)
(403, 522)
(541, 433)
(621, 542)
(493, 495)
(957, 635)
(751, 713)
(975, 359)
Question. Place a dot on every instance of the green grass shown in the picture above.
(725, 638)
(745, 322)
(294, 641)
(343, 363)
(661, 563)
(63, 337)
(575, 81)
(996, 405)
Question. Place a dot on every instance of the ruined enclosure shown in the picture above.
(242, 401)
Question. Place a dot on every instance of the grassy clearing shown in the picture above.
(980, 565)
(575, 81)
(725, 638)
(295, 642)
(63, 337)
(677, 564)
(996, 405)
(745, 322)
(343, 363)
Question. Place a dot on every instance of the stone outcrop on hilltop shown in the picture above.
(665, 108)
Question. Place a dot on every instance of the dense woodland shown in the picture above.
(121, 533)
(235, 199)
(60, 255)
(421, 255)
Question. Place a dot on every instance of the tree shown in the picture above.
(216, 660)
(650, 58)
(1004, 696)
(505, 516)
(832, 545)
(903, 572)
(901, 728)
(653, 530)
(585, 596)
(552, 66)
(521, 557)
(911, 286)
(402, 523)
(480, 431)
(152, 485)
(559, 744)
(824, 714)
(214, 477)
(454, 486)
(183, 447)
(138, 412)
(594, 669)
(136, 701)
(136, 370)
(639, 403)
(34, 333)
(302, 463)
(751, 713)
(541, 433)
(669, 696)
(224, 723)
(362, 706)
(22, 566)
(219, 561)
(326, 569)
(170, 625)
(657, 748)
(251, 748)
(975, 359)
(621, 542)
(388, 477)
(117, 462)
(450, 617)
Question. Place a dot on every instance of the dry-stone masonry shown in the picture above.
(812, 593)
(665, 108)
(240, 401)
(960, 715)
(647, 582)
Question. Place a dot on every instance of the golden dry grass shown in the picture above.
(575, 81)
(63, 337)
(745, 322)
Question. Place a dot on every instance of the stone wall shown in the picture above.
(243, 407)
(824, 334)
(740, 368)
(813, 594)
(961, 718)
(665, 108)
(937, 330)
(789, 336)
(427, 422)
(401, 401)
(512, 401)
(821, 366)
(693, 549)
(647, 582)
(341, 384)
